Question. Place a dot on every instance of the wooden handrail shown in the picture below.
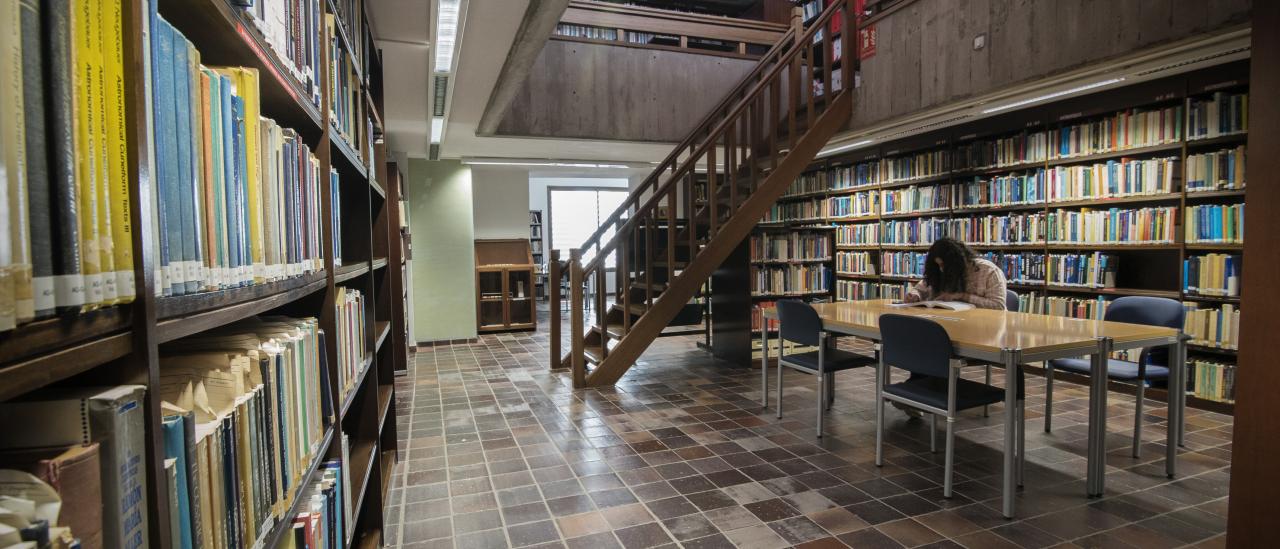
(713, 136)
(657, 21)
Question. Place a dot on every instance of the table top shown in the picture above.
(989, 331)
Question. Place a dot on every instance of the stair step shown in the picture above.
(613, 331)
(594, 354)
(637, 309)
(657, 287)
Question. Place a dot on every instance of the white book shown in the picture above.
(934, 304)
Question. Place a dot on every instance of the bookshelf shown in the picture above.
(536, 244)
(1019, 186)
(505, 286)
(121, 343)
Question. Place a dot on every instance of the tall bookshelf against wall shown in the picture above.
(245, 209)
(1134, 191)
(536, 244)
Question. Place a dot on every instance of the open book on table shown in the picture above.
(933, 304)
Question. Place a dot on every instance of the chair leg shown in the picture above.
(986, 410)
(947, 473)
(1048, 397)
(879, 432)
(1137, 418)
(933, 433)
(831, 390)
(822, 397)
(779, 406)
(1022, 439)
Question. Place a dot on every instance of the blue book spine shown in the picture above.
(185, 181)
(175, 448)
(220, 206)
(228, 181)
(167, 161)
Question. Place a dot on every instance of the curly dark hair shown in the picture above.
(956, 257)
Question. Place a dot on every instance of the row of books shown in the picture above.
(1112, 179)
(1004, 230)
(1215, 224)
(1113, 226)
(907, 264)
(862, 234)
(349, 317)
(237, 197)
(914, 231)
(1070, 307)
(1127, 129)
(1006, 190)
(347, 111)
(1221, 114)
(790, 247)
(806, 210)
(791, 279)
(67, 244)
(1023, 268)
(292, 30)
(1212, 275)
(586, 31)
(810, 182)
(1004, 151)
(246, 407)
(915, 166)
(855, 205)
(324, 518)
(351, 18)
(857, 290)
(860, 263)
(1213, 380)
(1095, 270)
(916, 199)
(1212, 327)
(1216, 171)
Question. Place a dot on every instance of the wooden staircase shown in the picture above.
(699, 204)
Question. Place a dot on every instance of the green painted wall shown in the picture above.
(443, 235)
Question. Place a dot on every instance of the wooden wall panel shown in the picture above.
(601, 91)
(1256, 436)
(925, 56)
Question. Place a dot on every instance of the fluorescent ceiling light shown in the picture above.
(437, 128)
(545, 164)
(446, 33)
(1053, 95)
(843, 148)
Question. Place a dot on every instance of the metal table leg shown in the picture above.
(1095, 483)
(1177, 398)
(764, 363)
(1011, 359)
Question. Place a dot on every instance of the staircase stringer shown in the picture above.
(730, 233)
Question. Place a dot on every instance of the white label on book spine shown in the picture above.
(125, 285)
(42, 289)
(191, 271)
(93, 288)
(69, 289)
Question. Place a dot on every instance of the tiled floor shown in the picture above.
(498, 451)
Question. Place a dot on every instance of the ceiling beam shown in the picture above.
(539, 21)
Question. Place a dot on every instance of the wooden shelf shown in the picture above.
(354, 392)
(1227, 139)
(385, 394)
(1216, 247)
(853, 190)
(347, 272)
(1108, 202)
(377, 188)
(379, 262)
(942, 177)
(1114, 291)
(1210, 195)
(56, 333)
(969, 210)
(284, 523)
(181, 316)
(43, 369)
(1211, 298)
(381, 329)
(351, 162)
(910, 215)
(1059, 246)
(867, 276)
(789, 261)
(994, 170)
(1211, 350)
(370, 449)
(789, 294)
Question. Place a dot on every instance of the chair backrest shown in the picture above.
(1150, 311)
(1011, 300)
(915, 344)
(799, 322)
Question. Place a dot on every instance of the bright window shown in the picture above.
(577, 213)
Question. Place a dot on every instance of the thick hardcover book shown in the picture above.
(102, 171)
(212, 257)
(241, 190)
(185, 180)
(171, 485)
(117, 151)
(84, 30)
(167, 154)
(37, 159)
(68, 279)
(114, 418)
(175, 448)
(228, 180)
(13, 149)
(194, 141)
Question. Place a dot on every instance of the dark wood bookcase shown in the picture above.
(1145, 269)
(505, 288)
(120, 344)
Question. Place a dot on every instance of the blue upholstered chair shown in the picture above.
(922, 347)
(799, 323)
(1152, 364)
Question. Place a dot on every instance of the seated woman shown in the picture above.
(952, 272)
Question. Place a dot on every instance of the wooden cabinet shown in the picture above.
(505, 286)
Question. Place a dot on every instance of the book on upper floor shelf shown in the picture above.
(798, 279)
(1214, 224)
(803, 246)
(1216, 170)
(1222, 113)
(1213, 275)
(291, 29)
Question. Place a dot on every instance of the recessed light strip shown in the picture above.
(843, 148)
(446, 33)
(546, 164)
(1053, 95)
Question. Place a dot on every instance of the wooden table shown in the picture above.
(1012, 339)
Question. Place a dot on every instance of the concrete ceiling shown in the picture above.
(404, 33)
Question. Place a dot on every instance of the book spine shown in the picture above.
(102, 151)
(167, 160)
(192, 141)
(17, 225)
(40, 226)
(68, 281)
(119, 426)
(84, 31)
(184, 181)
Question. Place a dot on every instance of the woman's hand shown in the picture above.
(912, 297)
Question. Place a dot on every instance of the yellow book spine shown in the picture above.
(248, 86)
(118, 153)
(10, 65)
(102, 152)
(83, 25)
